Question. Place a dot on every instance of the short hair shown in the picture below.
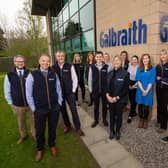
(135, 56)
(18, 56)
(60, 51)
(99, 52)
(117, 56)
(45, 54)
(107, 54)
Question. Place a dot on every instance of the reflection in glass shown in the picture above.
(82, 2)
(73, 7)
(86, 16)
(65, 14)
(88, 41)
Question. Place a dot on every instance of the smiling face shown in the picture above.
(117, 63)
(163, 57)
(106, 58)
(44, 62)
(134, 61)
(60, 56)
(19, 62)
(146, 60)
(77, 58)
(99, 58)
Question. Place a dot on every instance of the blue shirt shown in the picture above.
(29, 91)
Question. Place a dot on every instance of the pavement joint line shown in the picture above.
(128, 155)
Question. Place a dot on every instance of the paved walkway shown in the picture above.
(108, 153)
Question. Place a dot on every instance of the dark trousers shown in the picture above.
(132, 95)
(162, 105)
(143, 111)
(91, 98)
(72, 105)
(96, 100)
(116, 111)
(41, 117)
(82, 86)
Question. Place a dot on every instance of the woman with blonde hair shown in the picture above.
(145, 78)
(79, 68)
(117, 96)
(162, 91)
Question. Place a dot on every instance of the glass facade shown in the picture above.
(73, 28)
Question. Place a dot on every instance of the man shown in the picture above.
(14, 91)
(69, 83)
(97, 83)
(43, 93)
(107, 61)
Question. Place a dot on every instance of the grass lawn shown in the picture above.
(72, 153)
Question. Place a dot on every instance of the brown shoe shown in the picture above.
(145, 124)
(67, 130)
(80, 132)
(141, 123)
(53, 151)
(21, 139)
(39, 155)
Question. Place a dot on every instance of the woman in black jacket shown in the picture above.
(162, 91)
(117, 96)
(79, 68)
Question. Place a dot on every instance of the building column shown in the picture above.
(50, 35)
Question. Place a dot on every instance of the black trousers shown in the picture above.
(162, 107)
(143, 111)
(116, 111)
(132, 95)
(72, 105)
(91, 97)
(96, 99)
(41, 117)
(82, 86)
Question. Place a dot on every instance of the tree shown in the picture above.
(3, 41)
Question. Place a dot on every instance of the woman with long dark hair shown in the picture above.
(90, 61)
(145, 77)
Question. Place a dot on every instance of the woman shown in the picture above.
(117, 96)
(125, 60)
(132, 69)
(145, 77)
(79, 68)
(90, 62)
(162, 91)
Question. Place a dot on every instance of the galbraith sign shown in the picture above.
(164, 29)
(136, 33)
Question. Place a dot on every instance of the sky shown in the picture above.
(9, 10)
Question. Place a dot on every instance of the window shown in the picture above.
(88, 41)
(82, 2)
(86, 17)
(65, 14)
(73, 7)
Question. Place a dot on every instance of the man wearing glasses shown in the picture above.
(14, 91)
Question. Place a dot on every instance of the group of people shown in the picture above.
(44, 93)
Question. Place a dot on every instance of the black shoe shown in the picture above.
(117, 135)
(112, 134)
(164, 140)
(94, 124)
(105, 123)
(129, 120)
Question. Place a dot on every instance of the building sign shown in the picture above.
(136, 33)
(164, 29)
